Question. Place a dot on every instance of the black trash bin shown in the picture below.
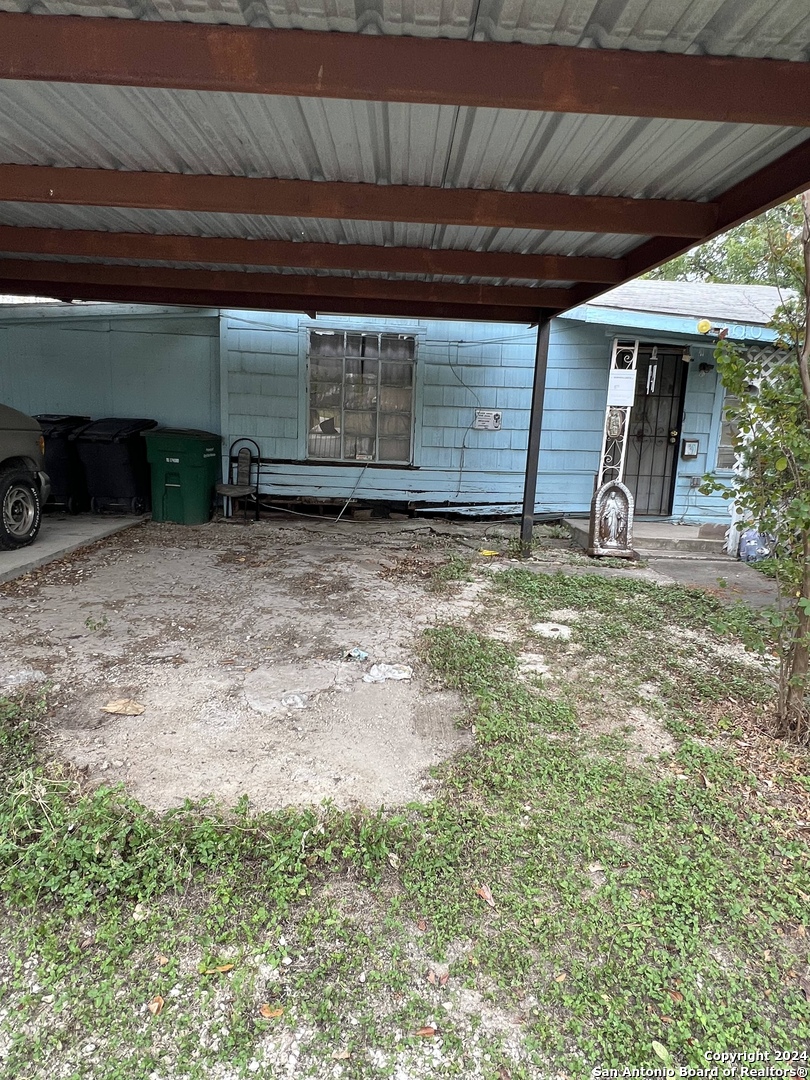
(62, 463)
(115, 464)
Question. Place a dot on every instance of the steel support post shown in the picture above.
(535, 430)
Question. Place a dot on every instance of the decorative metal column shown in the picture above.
(610, 529)
(621, 392)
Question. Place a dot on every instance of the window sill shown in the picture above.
(360, 464)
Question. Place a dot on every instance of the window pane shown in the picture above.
(395, 347)
(326, 368)
(323, 446)
(325, 395)
(360, 423)
(358, 448)
(325, 345)
(396, 374)
(395, 424)
(726, 451)
(361, 395)
(362, 345)
(395, 450)
(395, 399)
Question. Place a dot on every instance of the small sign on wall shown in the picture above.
(621, 388)
(487, 420)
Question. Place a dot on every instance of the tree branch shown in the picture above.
(804, 352)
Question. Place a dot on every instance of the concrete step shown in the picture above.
(674, 553)
(686, 544)
(659, 538)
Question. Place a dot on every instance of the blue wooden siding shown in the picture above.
(263, 380)
(701, 416)
(576, 391)
(460, 367)
(245, 374)
(159, 366)
(701, 421)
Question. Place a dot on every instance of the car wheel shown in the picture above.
(20, 509)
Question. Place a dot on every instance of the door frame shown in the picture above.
(644, 347)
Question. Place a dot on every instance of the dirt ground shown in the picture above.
(235, 640)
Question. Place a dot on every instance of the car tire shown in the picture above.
(20, 509)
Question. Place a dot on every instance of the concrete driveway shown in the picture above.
(59, 535)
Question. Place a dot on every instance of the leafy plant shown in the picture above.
(771, 412)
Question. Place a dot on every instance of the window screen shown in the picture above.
(360, 396)
(726, 449)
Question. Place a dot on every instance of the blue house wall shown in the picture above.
(117, 362)
(703, 402)
(244, 373)
(460, 367)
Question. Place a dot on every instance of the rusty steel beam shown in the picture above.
(257, 301)
(776, 182)
(357, 202)
(789, 175)
(240, 252)
(227, 281)
(553, 78)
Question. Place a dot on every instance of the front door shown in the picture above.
(655, 429)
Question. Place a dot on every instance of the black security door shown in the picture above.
(655, 429)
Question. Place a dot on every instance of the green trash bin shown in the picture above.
(185, 467)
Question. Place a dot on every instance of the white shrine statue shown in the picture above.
(613, 521)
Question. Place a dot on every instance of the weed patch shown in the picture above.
(454, 568)
(554, 910)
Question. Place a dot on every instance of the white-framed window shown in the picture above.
(361, 396)
(726, 446)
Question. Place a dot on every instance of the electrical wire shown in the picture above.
(468, 429)
(297, 513)
(691, 493)
(262, 325)
(354, 489)
(463, 344)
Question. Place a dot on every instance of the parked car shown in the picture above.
(24, 484)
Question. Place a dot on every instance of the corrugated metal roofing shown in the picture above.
(778, 29)
(253, 135)
(376, 142)
(258, 227)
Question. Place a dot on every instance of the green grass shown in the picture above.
(454, 568)
(648, 635)
(634, 902)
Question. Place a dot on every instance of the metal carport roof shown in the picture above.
(499, 161)
(447, 158)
